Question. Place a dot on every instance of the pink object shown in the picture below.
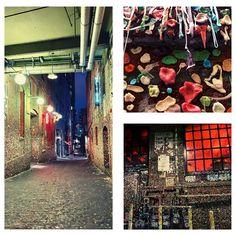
(167, 75)
(158, 14)
(190, 91)
(126, 58)
(186, 107)
(171, 22)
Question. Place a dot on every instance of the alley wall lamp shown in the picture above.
(50, 108)
(40, 100)
(20, 79)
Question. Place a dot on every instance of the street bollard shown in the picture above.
(190, 218)
(160, 216)
(130, 220)
(212, 220)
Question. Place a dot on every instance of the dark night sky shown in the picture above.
(80, 90)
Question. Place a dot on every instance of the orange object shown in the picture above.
(229, 109)
(129, 68)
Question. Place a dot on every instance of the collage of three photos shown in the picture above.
(58, 105)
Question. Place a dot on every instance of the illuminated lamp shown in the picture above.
(59, 116)
(50, 108)
(40, 101)
(52, 76)
(20, 79)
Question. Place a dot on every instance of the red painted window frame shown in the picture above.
(22, 114)
(208, 147)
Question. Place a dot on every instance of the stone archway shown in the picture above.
(106, 148)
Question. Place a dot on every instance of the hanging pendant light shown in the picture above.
(52, 75)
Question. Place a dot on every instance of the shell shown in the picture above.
(145, 80)
(164, 104)
(205, 101)
(226, 20)
(129, 97)
(153, 90)
(134, 88)
(125, 85)
(201, 17)
(218, 107)
(196, 78)
(145, 58)
(136, 50)
(174, 108)
(130, 107)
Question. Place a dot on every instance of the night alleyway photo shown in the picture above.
(65, 195)
(58, 117)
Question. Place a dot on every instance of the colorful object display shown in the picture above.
(182, 52)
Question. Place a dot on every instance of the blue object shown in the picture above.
(133, 81)
(169, 90)
(207, 64)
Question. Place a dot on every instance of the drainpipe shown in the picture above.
(95, 36)
(84, 30)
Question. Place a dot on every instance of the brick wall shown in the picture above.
(100, 117)
(21, 151)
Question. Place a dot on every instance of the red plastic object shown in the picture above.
(201, 29)
(126, 58)
(157, 14)
(167, 75)
(171, 22)
(186, 107)
(129, 68)
(190, 91)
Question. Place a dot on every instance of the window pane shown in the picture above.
(215, 143)
(199, 165)
(205, 126)
(189, 135)
(223, 133)
(225, 152)
(190, 166)
(222, 125)
(216, 153)
(196, 127)
(197, 135)
(188, 128)
(190, 155)
(208, 165)
(224, 142)
(205, 134)
(214, 133)
(213, 126)
(189, 146)
(198, 144)
(208, 153)
(199, 154)
(206, 143)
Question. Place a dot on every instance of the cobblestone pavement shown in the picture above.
(59, 195)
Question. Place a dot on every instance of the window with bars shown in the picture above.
(208, 147)
(136, 146)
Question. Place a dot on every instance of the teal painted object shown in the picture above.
(169, 90)
(133, 81)
(207, 64)
(216, 52)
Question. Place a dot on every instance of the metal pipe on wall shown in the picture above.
(95, 36)
(84, 30)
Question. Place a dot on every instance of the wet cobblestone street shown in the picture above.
(59, 195)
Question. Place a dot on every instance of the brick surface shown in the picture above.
(59, 195)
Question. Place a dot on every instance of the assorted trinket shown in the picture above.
(177, 59)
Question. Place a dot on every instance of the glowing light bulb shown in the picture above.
(20, 79)
(40, 101)
(50, 108)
